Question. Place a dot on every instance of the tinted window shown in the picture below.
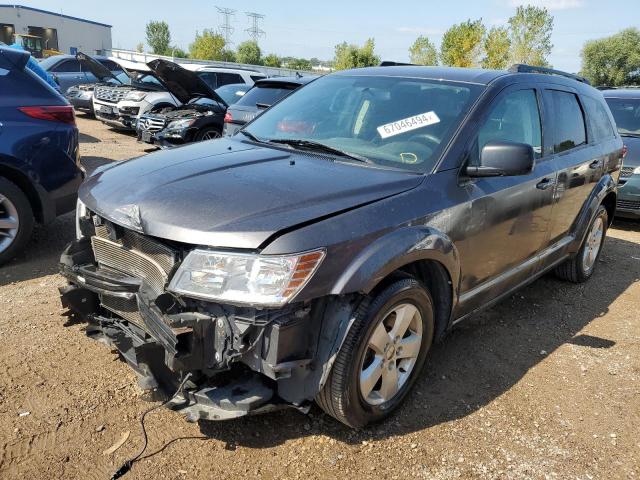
(515, 118)
(227, 78)
(210, 79)
(111, 65)
(626, 113)
(263, 96)
(255, 78)
(233, 92)
(71, 65)
(599, 123)
(396, 122)
(569, 127)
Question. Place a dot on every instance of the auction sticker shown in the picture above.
(408, 124)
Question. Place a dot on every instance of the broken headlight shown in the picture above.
(261, 280)
(135, 96)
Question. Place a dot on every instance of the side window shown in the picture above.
(71, 65)
(598, 118)
(569, 128)
(210, 79)
(227, 78)
(515, 118)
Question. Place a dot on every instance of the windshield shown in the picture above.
(392, 121)
(264, 95)
(147, 78)
(123, 78)
(626, 112)
(233, 92)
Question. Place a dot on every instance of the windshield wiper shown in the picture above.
(320, 147)
(251, 136)
(633, 135)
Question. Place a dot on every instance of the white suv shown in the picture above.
(121, 106)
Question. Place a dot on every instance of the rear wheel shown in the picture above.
(209, 133)
(382, 355)
(16, 220)
(579, 268)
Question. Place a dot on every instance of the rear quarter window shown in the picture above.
(263, 95)
(600, 127)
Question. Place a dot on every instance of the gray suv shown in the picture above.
(319, 253)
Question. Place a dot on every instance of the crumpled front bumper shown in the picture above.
(167, 138)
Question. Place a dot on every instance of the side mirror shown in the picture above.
(503, 159)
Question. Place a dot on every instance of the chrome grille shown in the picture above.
(626, 171)
(151, 124)
(629, 204)
(110, 94)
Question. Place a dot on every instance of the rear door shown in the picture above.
(579, 162)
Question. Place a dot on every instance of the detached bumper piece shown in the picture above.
(242, 361)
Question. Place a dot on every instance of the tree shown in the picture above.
(140, 47)
(423, 52)
(614, 60)
(299, 64)
(158, 37)
(177, 52)
(249, 53)
(228, 55)
(462, 44)
(272, 60)
(530, 31)
(497, 48)
(207, 45)
(352, 56)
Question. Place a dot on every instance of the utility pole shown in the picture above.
(254, 31)
(226, 28)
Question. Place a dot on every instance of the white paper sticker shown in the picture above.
(408, 124)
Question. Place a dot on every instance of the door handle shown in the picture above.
(595, 164)
(545, 183)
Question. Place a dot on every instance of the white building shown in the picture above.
(38, 30)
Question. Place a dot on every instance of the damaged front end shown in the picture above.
(242, 360)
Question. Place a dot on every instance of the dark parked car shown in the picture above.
(625, 107)
(319, 253)
(263, 94)
(199, 117)
(68, 71)
(39, 174)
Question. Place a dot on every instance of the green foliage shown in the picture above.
(228, 55)
(272, 60)
(249, 53)
(140, 47)
(208, 45)
(530, 30)
(176, 52)
(299, 64)
(423, 52)
(497, 49)
(462, 44)
(158, 37)
(614, 60)
(352, 56)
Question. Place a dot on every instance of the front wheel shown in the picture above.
(209, 133)
(382, 355)
(16, 220)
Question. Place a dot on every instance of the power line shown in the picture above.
(254, 30)
(226, 28)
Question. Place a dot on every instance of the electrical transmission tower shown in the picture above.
(226, 28)
(254, 30)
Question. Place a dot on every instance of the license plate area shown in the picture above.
(146, 137)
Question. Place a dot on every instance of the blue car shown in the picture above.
(39, 155)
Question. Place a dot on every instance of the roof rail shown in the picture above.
(522, 68)
(388, 63)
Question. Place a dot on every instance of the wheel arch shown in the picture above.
(28, 188)
(604, 193)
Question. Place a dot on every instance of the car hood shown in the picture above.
(632, 159)
(231, 194)
(101, 72)
(182, 83)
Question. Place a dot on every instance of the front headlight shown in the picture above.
(81, 212)
(180, 124)
(261, 280)
(135, 96)
(636, 171)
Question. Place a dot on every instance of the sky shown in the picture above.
(312, 29)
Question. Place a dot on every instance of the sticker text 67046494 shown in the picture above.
(408, 124)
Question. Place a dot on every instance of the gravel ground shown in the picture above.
(544, 385)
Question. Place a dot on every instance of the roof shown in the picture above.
(55, 14)
(455, 74)
(621, 93)
(287, 80)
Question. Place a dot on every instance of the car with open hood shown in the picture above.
(199, 117)
(319, 253)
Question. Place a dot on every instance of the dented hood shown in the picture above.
(230, 194)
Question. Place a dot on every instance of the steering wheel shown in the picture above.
(426, 138)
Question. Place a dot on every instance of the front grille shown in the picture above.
(110, 94)
(151, 124)
(628, 204)
(125, 308)
(626, 171)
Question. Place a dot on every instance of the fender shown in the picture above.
(43, 209)
(395, 250)
(605, 186)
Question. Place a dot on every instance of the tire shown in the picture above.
(208, 133)
(581, 266)
(15, 210)
(343, 395)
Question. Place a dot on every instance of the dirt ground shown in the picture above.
(546, 385)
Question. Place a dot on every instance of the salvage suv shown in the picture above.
(319, 252)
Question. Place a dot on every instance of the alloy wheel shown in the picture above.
(9, 222)
(211, 135)
(391, 354)
(593, 244)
